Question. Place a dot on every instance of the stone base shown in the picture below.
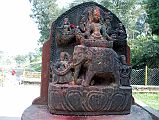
(40, 112)
(93, 100)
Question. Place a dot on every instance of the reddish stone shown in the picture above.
(128, 55)
(40, 112)
(43, 99)
(110, 50)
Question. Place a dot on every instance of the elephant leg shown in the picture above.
(88, 78)
(117, 77)
(76, 72)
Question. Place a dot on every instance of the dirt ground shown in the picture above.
(14, 99)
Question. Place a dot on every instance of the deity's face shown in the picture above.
(96, 15)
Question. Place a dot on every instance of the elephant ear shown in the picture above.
(89, 54)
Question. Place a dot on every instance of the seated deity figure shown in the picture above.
(66, 26)
(96, 28)
(62, 69)
(95, 31)
(65, 33)
(63, 63)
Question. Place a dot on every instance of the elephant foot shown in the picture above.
(84, 83)
(79, 81)
(92, 82)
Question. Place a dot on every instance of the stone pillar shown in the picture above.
(45, 74)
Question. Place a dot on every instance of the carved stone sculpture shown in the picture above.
(95, 62)
(89, 63)
(62, 69)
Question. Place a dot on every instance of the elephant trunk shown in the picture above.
(63, 72)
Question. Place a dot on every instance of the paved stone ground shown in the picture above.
(14, 99)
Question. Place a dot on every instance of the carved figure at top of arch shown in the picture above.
(93, 29)
(95, 26)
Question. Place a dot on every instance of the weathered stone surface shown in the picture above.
(40, 112)
(43, 99)
(85, 66)
(90, 72)
(93, 100)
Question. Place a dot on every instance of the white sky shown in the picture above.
(18, 32)
(62, 3)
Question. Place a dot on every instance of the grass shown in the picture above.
(151, 99)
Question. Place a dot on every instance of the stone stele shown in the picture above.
(85, 69)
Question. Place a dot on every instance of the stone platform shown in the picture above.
(67, 99)
(40, 112)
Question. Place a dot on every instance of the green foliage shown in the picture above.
(44, 12)
(34, 56)
(20, 59)
(152, 9)
(34, 66)
(34, 61)
(144, 51)
(37, 67)
(128, 11)
(76, 2)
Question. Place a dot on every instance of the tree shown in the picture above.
(144, 51)
(128, 11)
(76, 2)
(141, 26)
(152, 9)
(33, 60)
(44, 12)
(20, 59)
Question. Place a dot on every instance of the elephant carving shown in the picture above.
(81, 59)
(90, 64)
(95, 63)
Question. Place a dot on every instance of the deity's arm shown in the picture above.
(82, 35)
(104, 33)
(87, 33)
